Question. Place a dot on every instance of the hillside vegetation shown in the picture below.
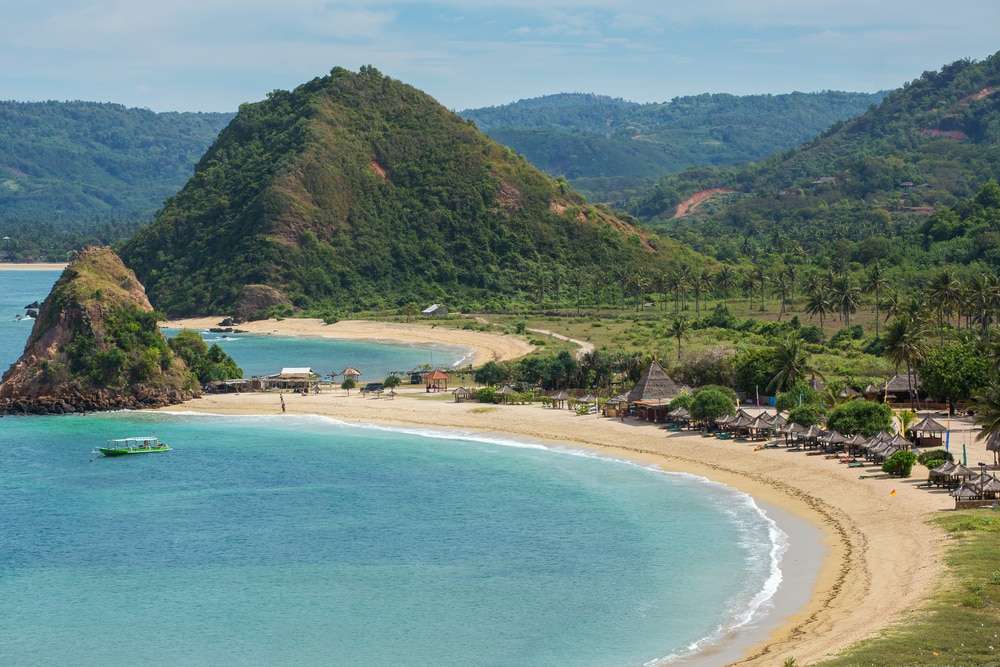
(609, 148)
(357, 190)
(854, 193)
(74, 172)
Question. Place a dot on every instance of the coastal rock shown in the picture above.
(95, 345)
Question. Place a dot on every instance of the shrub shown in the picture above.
(487, 395)
(861, 416)
(800, 393)
(710, 403)
(934, 458)
(900, 464)
(491, 373)
(683, 400)
(811, 334)
(806, 415)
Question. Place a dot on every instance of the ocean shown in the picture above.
(303, 541)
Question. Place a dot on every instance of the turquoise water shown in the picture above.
(292, 540)
(17, 290)
(256, 355)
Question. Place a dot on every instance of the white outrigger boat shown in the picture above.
(127, 446)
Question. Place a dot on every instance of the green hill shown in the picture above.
(849, 194)
(355, 190)
(609, 147)
(72, 172)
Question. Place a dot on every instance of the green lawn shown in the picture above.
(961, 624)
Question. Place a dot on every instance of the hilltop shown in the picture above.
(356, 190)
(95, 345)
(608, 147)
(72, 172)
(850, 193)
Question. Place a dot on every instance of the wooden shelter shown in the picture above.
(653, 388)
(462, 394)
(437, 380)
(559, 399)
(349, 372)
(615, 407)
(897, 389)
(928, 432)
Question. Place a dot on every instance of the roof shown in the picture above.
(304, 370)
(898, 383)
(654, 385)
(928, 425)
(462, 390)
(438, 375)
(431, 308)
(350, 371)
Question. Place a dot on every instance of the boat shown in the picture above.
(127, 446)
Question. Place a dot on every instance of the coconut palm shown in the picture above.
(944, 291)
(784, 287)
(987, 408)
(760, 279)
(906, 344)
(846, 298)
(678, 330)
(906, 419)
(818, 304)
(875, 282)
(725, 280)
(791, 359)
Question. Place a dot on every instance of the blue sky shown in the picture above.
(214, 54)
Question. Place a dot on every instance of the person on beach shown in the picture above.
(282, 397)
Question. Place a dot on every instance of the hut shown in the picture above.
(437, 380)
(679, 417)
(462, 394)
(616, 406)
(349, 372)
(506, 393)
(848, 394)
(293, 379)
(993, 445)
(897, 389)
(651, 394)
(833, 441)
(928, 432)
(559, 399)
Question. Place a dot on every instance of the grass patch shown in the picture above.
(960, 625)
(483, 410)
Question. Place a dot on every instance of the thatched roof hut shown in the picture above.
(928, 425)
(654, 385)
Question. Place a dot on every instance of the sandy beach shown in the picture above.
(485, 346)
(40, 266)
(883, 558)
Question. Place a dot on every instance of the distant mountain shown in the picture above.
(849, 192)
(72, 172)
(608, 147)
(358, 190)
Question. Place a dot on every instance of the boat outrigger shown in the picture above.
(126, 446)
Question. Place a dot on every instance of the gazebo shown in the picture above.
(559, 399)
(349, 372)
(462, 394)
(506, 392)
(654, 389)
(897, 388)
(437, 381)
(927, 432)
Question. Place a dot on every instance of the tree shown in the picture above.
(725, 280)
(900, 464)
(876, 282)
(491, 374)
(988, 415)
(348, 384)
(806, 415)
(954, 372)
(846, 298)
(711, 403)
(790, 360)
(860, 416)
(391, 382)
(818, 304)
(753, 369)
(678, 330)
(906, 344)
(945, 292)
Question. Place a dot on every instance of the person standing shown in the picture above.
(282, 397)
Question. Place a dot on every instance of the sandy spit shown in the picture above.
(883, 559)
(24, 266)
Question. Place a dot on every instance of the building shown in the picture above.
(651, 395)
(435, 310)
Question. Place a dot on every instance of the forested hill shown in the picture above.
(357, 190)
(850, 193)
(67, 168)
(608, 147)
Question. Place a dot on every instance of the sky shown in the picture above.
(212, 55)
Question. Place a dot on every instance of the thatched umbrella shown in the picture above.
(993, 445)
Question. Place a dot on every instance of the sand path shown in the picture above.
(883, 557)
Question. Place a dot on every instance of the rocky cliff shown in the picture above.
(95, 346)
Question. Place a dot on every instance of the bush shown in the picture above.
(900, 464)
(934, 458)
(806, 415)
(861, 416)
(683, 400)
(799, 394)
(811, 334)
(487, 395)
(491, 373)
(753, 369)
(710, 403)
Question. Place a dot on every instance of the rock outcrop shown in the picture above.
(95, 346)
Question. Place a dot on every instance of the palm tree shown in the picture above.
(760, 278)
(846, 298)
(725, 280)
(906, 419)
(876, 282)
(893, 305)
(988, 418)
(945, 292)
(747, 283)
(685, 280)
(818, 304)
(906, 344)
(784, 287)
(678, 330)
(792, 361)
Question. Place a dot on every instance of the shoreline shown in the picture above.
(881, 558)
(32, 266)
(483, 346)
